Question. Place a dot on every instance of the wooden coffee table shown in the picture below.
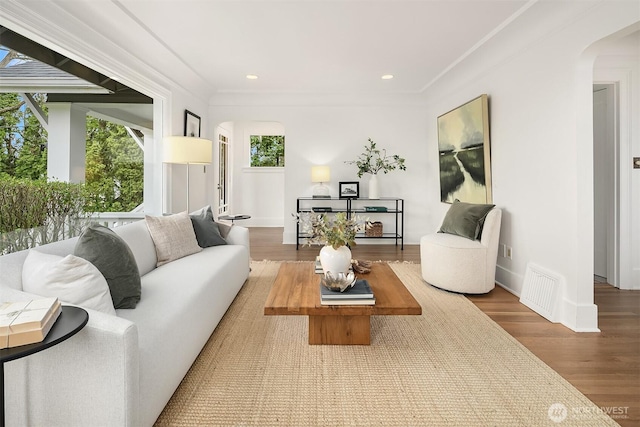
(296, 292)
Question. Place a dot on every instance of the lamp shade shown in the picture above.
(186, 149)
(320, 174)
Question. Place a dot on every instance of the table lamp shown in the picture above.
(187, 150)
(320, 174)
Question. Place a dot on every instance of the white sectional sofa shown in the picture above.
(122, 370)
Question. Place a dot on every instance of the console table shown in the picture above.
(70, 321)
(394, 206)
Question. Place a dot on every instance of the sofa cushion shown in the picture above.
(183, 302)
(173, 236)
(71, 279)
(137, 237)
(465, 219)
(206, 229)
(112, 256)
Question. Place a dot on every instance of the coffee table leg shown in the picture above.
(339, 330)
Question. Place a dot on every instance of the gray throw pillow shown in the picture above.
(465, 219)
(206, 229)
(113, 258)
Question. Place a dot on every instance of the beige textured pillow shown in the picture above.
(173, 236)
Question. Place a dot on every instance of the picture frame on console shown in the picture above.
(191, 124)
(464, 153)
(349, 189)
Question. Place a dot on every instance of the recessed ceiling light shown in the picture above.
(252, 77)
(387, 76)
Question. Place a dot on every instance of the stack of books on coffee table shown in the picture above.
(359, 294)
(27, 322)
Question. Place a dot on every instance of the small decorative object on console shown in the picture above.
(375, 230)
(349, 189)
(375, 209)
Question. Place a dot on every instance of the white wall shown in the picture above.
(201, 179)
(330, 135)
(539, 82)
(258, 192)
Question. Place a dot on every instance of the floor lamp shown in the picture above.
(187, 150)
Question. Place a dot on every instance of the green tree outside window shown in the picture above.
(267, 150)
(114, 177)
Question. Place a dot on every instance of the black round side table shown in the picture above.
(233, 217)
(70, 321)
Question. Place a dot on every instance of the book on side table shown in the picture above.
(27, 322)
(359, 294)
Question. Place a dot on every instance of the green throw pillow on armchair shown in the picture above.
(465, 219)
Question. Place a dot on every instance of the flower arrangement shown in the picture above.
(374, 160)
(336, 231)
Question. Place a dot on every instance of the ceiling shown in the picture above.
(294, 46)
(301, 46)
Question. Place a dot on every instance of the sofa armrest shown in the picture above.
(238, 236)
(89, 379)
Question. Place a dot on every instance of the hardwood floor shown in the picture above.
(265, 244)
(604, 366)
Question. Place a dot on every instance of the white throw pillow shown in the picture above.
(72, 279)
(173, 236)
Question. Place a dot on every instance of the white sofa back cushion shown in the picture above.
(71, 279)
(137, 236)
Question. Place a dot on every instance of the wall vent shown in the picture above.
(541, 290)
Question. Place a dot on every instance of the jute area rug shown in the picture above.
(451, 366)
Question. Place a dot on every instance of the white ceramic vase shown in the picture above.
(373, 187)
(335, 260)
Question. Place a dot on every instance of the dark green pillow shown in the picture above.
(113, 258)
(465, 219)
(206, 229)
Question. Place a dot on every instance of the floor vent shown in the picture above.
(541, 290)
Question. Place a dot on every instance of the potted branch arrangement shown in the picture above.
(336, 233)
(374, 160)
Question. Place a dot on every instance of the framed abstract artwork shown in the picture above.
(465, 153)
(191, 124)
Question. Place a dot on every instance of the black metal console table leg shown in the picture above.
(2, 421)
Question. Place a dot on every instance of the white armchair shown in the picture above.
(459, 264)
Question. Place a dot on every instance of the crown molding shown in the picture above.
(49, 24)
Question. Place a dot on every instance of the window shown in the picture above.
(267, 150)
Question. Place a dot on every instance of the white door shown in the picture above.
(604, 158)
(223, 173)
